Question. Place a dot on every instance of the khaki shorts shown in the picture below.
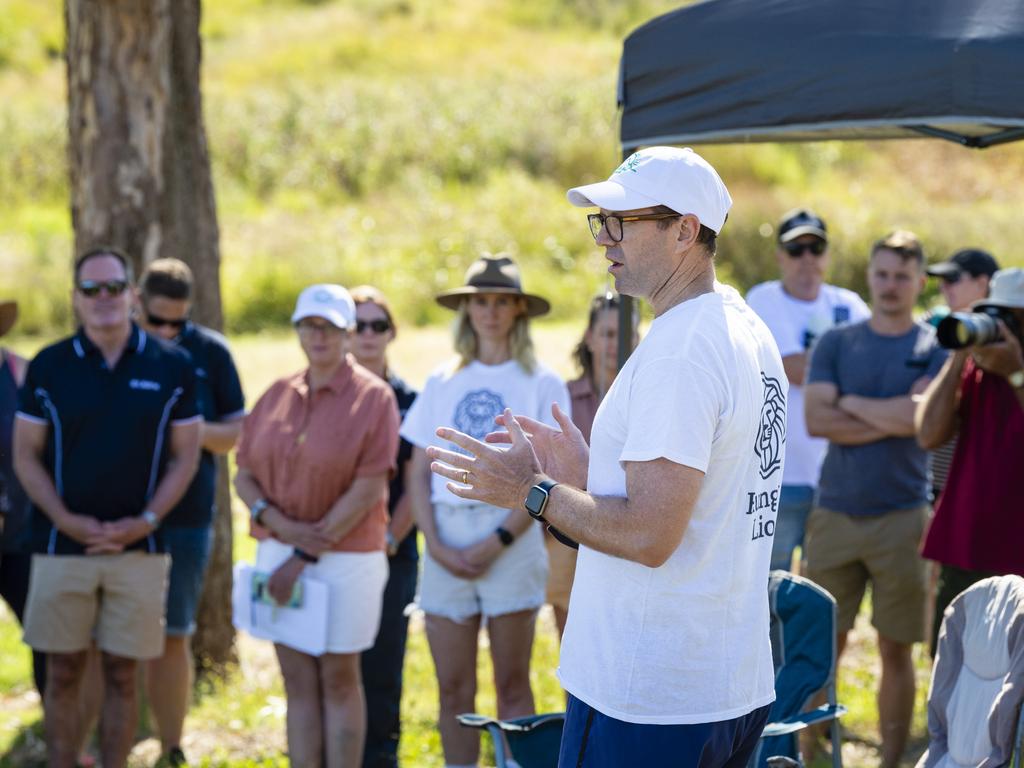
(845, 552)
(116, 600)
(561, 570)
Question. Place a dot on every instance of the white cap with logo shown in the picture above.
(678, 178)
(331, 302)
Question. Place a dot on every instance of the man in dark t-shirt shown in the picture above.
(165, 293)
(106, 442)
(873, 491)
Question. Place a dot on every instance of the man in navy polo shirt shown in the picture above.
(106, 442)
(165, 290)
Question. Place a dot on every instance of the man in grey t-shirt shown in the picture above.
(873, 492)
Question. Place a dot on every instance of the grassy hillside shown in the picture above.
(391, 141)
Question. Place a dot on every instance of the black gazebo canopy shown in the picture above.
(796, 70)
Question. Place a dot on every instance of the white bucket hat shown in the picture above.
(678, 178)
(1006, 290)
(331, 302)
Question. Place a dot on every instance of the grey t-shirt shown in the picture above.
(892, 473)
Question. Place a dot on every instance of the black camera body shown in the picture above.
(970, 329)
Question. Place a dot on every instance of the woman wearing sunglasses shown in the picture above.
(482, 563)
(382, 664)
(314, 461)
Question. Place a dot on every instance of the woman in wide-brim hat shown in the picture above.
(481, 562)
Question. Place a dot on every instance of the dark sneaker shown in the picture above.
(176, 758)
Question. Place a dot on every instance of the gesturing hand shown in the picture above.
(563, 453)
(488, 474)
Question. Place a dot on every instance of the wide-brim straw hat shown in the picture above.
(494, 274)
(8, 316)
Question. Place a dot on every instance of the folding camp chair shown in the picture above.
(533, 741)
(975, 717)
(803, 633)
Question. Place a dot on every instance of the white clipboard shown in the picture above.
(303, 628)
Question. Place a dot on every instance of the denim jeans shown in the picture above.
(795, 504)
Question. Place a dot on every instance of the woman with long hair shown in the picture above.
(482, 564)
(597, 358)
(382, 664)
(314, 461)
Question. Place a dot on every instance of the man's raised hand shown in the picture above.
(563, 453)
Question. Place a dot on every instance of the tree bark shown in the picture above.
(141, 181)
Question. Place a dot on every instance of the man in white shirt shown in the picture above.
(666, 654)
(797, 309)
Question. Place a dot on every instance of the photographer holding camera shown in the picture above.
(980, 392)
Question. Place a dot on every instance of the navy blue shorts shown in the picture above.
(189, 549)
(593, 740)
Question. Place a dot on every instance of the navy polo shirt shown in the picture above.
(405, 395)
(218, 398)
(109, 429)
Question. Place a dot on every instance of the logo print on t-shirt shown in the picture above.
(475, 413)
(771, 434)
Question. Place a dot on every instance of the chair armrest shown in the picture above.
(804, 719)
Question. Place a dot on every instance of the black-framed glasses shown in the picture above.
(613, 224)
(377, 326)
(156, 321)
(92, 288)
(796, 250)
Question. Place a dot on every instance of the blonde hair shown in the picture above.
(519, 341)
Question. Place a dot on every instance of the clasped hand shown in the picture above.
(103, 538)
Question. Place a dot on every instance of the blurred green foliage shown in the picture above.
(392, 141)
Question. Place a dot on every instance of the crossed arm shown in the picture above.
(855, 419)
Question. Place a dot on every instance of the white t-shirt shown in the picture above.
(796, 324)
(470, 398)
(686, 642)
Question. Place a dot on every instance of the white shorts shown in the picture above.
(355, 582)
(516, 580)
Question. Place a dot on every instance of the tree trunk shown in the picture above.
(140, 181)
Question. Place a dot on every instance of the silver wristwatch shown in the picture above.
(151, 518)
(257, 509)
(1016, 379)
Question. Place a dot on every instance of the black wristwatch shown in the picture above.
(537, 499)
(505, 536)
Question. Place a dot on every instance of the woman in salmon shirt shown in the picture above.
(314, 461)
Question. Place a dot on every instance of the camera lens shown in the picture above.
(967, 329)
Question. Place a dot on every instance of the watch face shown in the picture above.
(535, 501)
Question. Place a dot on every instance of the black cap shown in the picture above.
(973, 261)
(799, 222)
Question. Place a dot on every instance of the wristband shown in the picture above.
(505, 536)
(305, 556)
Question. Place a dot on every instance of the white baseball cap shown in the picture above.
(331, 302)
(678, 178)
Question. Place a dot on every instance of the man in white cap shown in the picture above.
(666, 654)
(980, 391)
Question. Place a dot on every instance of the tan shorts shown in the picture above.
(561, 570)
(116, 600)
(845, 552)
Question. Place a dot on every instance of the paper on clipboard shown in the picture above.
(303, 628)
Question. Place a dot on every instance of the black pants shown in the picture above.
(952, 581)
(382, 667)
(14, 573)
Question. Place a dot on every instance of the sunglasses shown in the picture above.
(92, 288)
(157, 322)
(796, 250)
(951, 279)
(377, 326)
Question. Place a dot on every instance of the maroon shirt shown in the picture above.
(979, 518)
